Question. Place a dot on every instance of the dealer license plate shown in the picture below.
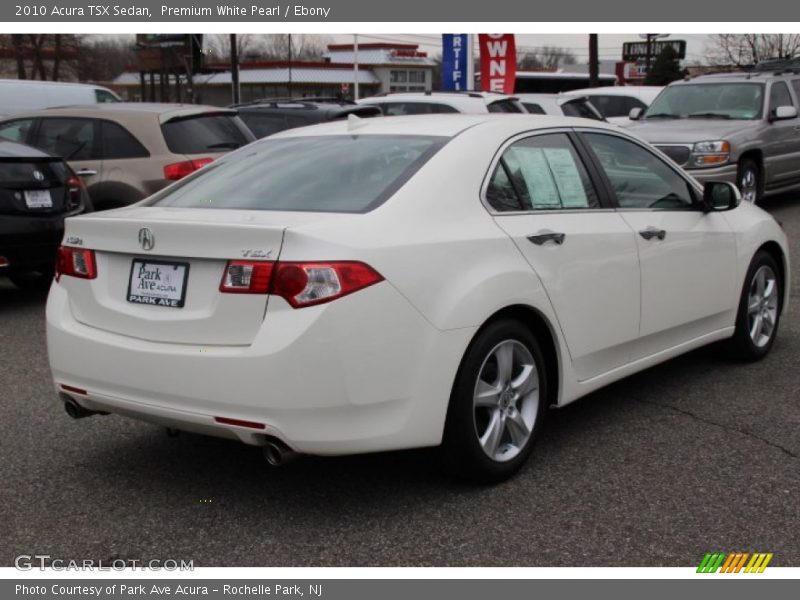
(158, 283)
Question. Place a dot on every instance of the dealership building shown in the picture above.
(381, 68)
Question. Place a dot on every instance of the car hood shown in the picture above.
(686, 131)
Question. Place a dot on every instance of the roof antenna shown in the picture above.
(355, 122)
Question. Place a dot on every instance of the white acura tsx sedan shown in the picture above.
(382, 284)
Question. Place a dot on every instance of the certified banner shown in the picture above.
(498, 62)
(455, 54)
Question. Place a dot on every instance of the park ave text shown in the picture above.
(277, 11)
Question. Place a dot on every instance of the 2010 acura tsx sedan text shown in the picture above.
(383, 284)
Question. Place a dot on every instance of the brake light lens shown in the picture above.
(301, 284)
(75, 262)
(179, 170)
(246, 277)
(74, 185)
(306, 284)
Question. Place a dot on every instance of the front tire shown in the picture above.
(759, 309)
(497, 405)
(750, 181)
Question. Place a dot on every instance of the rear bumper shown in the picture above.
(29, 243)
(364, 373)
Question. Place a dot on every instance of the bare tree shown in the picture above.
(42, 56)
(299, 46)
(749, 48)
(109, 57)
(546, 57)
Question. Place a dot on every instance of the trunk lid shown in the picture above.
(190, 250)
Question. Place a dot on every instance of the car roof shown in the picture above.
(450, 97)
(442, 125)
(111, 110)
(736, 76)
(38, 82)
(10, 149)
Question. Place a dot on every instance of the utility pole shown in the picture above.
(290, 65)
(470, 62)
(649, 51)
(355, 66)
(235, 69)
(594, 61)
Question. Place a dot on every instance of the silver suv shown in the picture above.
(740, 127)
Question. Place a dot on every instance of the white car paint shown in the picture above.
(374, 370)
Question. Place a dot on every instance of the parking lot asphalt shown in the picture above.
(696, 455)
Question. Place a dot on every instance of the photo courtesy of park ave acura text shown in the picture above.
(399, 299)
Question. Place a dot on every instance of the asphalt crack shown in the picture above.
(728, 428)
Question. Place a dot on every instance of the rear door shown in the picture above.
(76, 140)
(687, 257)
(546, 198)
(781, 140)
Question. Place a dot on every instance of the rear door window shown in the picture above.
(69, 138)
(534, 109)
(208, 132)
(544, 172)
(118, 142)
(580, 108)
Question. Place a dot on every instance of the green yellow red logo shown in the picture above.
(734, 562)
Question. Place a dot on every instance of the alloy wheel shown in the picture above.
(762, 306)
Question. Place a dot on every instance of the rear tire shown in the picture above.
(497, 406)
(759, 310)
(32, 281)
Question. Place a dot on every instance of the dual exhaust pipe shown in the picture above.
(76, 411)
(276, 453)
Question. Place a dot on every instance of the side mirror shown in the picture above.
(720, 196)
(635, 114)
(784, 112)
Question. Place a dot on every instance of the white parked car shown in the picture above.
(615, 102)
(407, 282)
(427, 103)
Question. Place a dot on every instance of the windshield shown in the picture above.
(326, 174)
(709, 101)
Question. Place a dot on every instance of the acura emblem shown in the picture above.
(146, 239)
(37, 175)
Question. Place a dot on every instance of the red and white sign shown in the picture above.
(498, 62)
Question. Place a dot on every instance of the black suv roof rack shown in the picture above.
(779, 66)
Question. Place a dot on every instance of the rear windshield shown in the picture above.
(205, 133)
(323, 174)
(23, 174)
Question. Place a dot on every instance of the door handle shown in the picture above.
(547, 236)
(652, 232)
(86, 172)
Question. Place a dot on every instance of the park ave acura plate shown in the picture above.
(159, 283)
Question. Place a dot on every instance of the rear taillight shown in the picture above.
(299, 283)
(74, 186)
(75, 262)
(306, 283)
(179, 170)
(246, 277)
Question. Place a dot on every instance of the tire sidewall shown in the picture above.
(463, 453)
(744, 343)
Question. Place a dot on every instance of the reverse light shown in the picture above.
(308, 283)
(179, 170)
(75, 262)
(246, 277)
(710, 154)
(299, 283)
